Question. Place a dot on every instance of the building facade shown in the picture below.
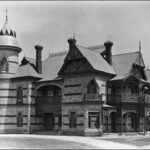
(82, 91)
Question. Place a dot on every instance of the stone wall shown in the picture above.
(9, 108)
(74, 89)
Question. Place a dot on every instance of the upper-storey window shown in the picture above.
(92, 88)
(4, 65)
(19, 95)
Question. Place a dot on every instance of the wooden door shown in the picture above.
(49, 121)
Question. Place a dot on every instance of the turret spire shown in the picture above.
(6, 14)
(140, 46)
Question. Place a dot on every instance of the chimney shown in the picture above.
(108, 45)
(38, 49)
(71, 42)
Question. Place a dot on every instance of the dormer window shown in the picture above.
(92, 88)
(4, 65)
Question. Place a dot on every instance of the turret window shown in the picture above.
(19, 95)
(4, 65)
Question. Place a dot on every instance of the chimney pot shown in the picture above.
(108, 45)
(38, 47)
(71, 41)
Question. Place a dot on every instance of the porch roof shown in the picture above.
(108, 106)
(26, 71)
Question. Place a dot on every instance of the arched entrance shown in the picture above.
(48, 104)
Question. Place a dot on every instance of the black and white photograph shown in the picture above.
(75, 74)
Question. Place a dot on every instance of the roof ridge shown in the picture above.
(126, 53)
(97, 46)
(85, 48)
(57, 53)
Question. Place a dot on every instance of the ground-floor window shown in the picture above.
(59, 122)
(19, 120)
(73, 120)
(94, 120)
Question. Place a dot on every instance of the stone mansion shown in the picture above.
(82, 91)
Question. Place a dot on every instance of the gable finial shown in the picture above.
(140, 46)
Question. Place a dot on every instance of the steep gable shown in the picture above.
(125, 63)
(88, 60)
(75, 62)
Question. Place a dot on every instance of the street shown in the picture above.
(31, 141)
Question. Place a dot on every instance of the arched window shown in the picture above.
(19, 95)
(19, 120)
(92, 88)
(4, 65)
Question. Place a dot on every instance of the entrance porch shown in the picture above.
(48, 105)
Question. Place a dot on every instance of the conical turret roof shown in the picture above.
(8, 36)
(6, 30)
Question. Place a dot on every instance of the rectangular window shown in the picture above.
(19, 95)
(72, 120)
(109, 90)
(19, 120)
(94, 120)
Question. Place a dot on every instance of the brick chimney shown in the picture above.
(108, 45)
(38, 49)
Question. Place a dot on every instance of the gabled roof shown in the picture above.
(52, 65)
(96, 60)
(26, 71)
(123, 64)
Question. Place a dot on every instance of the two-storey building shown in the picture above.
(85, 90)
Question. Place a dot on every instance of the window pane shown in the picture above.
(50, 93)
(4, 64)
(20, 95)
(19, 120)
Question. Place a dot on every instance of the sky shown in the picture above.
(51, 23)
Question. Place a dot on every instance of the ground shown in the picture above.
(39, 143)
(140, 141)
(33, 141)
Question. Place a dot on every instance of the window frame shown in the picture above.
(20, 95)
(73, 120)
(19, 119)
(92, 85)
(4, 61)
(97, 122)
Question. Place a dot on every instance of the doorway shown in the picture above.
(49, 121)
(113, 121)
